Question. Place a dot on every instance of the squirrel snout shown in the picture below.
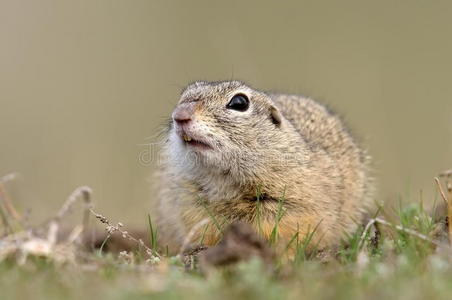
(183, 113)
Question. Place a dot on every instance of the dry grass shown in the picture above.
(408, 257)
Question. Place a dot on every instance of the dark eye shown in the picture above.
(239, 102)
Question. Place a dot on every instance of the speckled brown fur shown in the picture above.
(283, 146)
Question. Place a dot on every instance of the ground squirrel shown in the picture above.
(233, 153)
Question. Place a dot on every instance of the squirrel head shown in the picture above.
(227, 127)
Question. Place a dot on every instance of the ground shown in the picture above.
(400, 255)
(402, 277)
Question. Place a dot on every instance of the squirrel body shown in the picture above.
(278, 162)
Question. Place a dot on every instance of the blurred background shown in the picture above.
(84, 85)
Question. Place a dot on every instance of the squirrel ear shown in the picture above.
(275, 115)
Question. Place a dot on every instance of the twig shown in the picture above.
(110, 228)
(449, 209)
(9, 177)
(8, 203)
(6, 227)
(42, 240)
(407, 230)
(447, 199)
(438, 183)
(190, 235)
(9, 209)
(75, 233)
(52, 233)
(366, 229)
(447, 173)
(83, 192)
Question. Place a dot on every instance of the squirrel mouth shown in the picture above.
(194, 143)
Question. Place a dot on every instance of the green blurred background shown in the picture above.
(83, 84)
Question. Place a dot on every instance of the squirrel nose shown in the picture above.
(183, 113)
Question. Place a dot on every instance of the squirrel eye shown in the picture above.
(239, 102)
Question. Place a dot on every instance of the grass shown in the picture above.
(376, 262)
(279, 214)
(406, 273)
(153, 235)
